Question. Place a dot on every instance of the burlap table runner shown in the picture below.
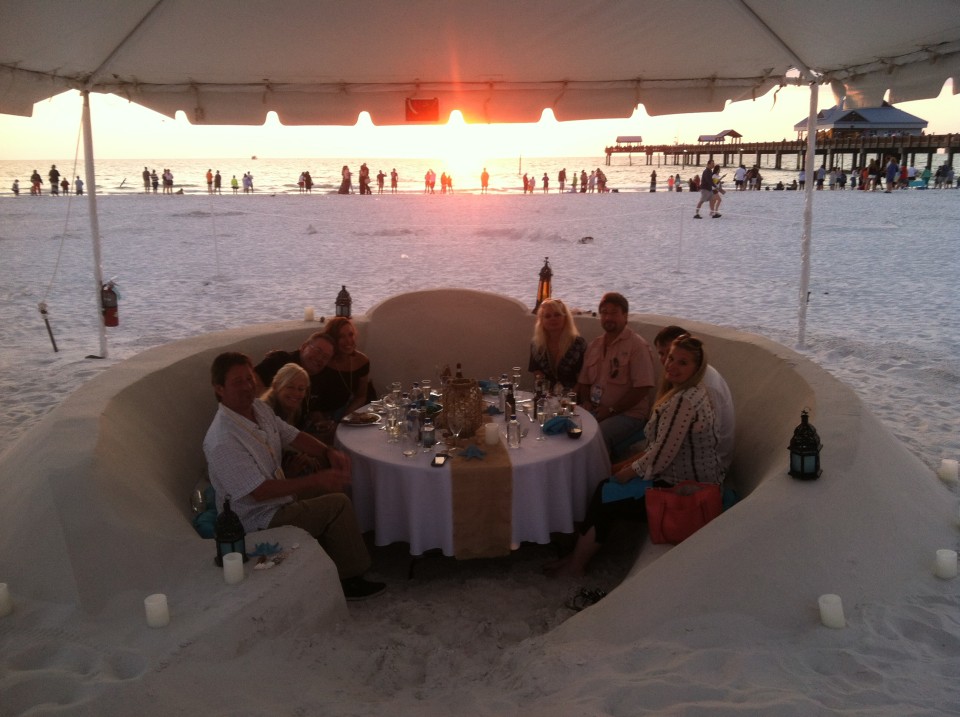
(482, 501)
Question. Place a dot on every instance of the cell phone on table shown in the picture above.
(439, 460)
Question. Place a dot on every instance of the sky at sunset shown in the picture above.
(125, 130)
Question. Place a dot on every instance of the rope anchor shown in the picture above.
(42, 306)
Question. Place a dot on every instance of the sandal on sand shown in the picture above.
(584, 598)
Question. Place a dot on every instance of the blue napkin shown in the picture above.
(493, 410)
(474, 452)
(634, 488)
(487, 386)
(557, 425)
(266, 549)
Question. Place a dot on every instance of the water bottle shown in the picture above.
(412, 418)
(511, 400)
(416, 395)
(504, 384)
(428, 433)
(513, 432)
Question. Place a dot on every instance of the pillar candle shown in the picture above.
(491, 434)
(233, 568)
(6, 602)
(158, 615)
(831, 611)
(308, 313)
(946, 564)
(948, 470)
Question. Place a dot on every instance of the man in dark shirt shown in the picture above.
(313, 355)
(706, 188)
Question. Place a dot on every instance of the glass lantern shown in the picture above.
(228, 534)
(805, 450)
(344, 302)
(543, 287)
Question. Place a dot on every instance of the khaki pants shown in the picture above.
(331, 520)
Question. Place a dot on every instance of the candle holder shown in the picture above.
(805, 450)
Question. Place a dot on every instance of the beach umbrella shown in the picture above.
(320, 63)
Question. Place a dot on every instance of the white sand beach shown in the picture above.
(726, 626)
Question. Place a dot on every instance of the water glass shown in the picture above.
(572, 402)
(517, 375)
(425, 387)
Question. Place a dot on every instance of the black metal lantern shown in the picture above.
(228, 534)
(543, 288)
(344, 302)
(805, 450)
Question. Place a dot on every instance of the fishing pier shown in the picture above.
(791, 154)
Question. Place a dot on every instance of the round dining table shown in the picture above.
(406, 499)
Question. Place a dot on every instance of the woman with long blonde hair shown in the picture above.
(557, 348)
(289, 397)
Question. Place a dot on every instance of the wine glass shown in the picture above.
(455, 421)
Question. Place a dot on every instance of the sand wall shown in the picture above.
(99, 491)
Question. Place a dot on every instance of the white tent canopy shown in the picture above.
(316, 62)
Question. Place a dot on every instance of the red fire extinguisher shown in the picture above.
(108, 303)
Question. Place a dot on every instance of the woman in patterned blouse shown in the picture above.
(556, 352)
(681, 445)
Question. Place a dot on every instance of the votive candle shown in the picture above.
(158, 614)
(948, 470)
(6, 602)
(491, 434)
(308, 314)
(233, 568)
(946, 564)
(831, 611)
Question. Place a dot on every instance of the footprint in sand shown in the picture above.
(58, 674)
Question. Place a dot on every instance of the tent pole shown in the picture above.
(807, 215)
(94, 218)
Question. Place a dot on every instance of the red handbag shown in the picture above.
(677, 512)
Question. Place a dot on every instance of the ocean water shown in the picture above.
(279, 176)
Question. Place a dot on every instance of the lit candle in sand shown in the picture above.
(491, 434)
(6, 602)
(946, 564)
(948, 470)
(158, 615)
(233, 568)
(831, 611)
(308, 313)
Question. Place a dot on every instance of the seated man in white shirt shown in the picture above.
(717, 389)
(244, 448)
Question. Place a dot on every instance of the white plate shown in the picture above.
(347, 422)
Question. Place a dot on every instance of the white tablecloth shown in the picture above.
(408, 500)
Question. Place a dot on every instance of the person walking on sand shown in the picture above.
(706, 188)
(717, 185)
(78, 186)
(209, 178)
(154, 180)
